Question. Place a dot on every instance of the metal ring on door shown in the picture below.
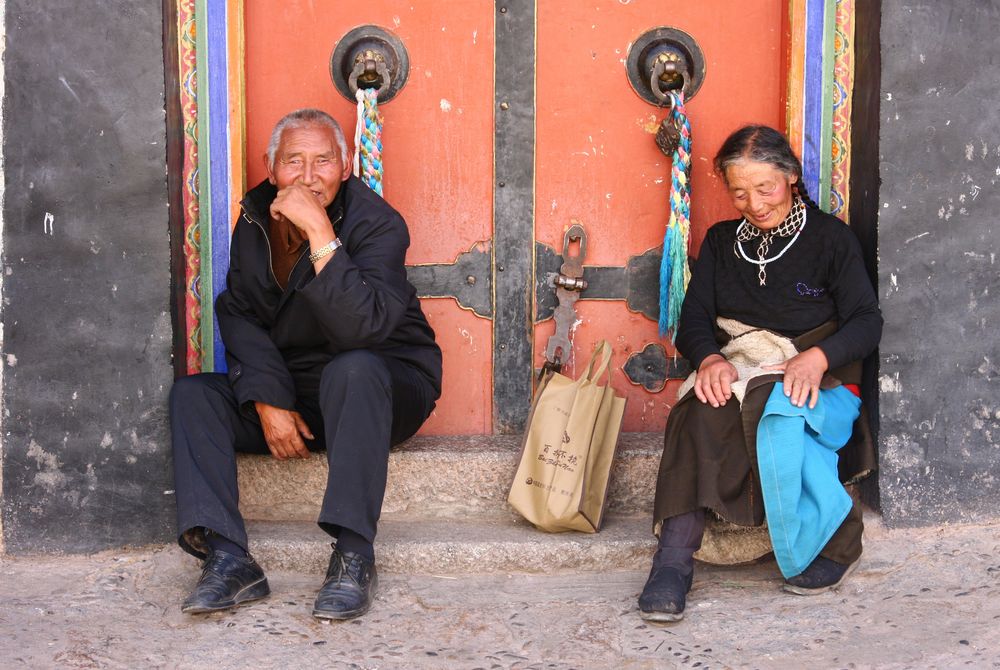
(659, 47)
(383, 61)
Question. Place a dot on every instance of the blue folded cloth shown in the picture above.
(804, 501)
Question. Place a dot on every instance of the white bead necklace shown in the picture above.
(793, 225)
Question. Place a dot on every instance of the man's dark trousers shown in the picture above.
(357, 406)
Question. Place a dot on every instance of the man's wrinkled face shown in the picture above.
(309, 155)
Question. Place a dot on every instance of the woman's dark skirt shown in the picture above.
(710, 461)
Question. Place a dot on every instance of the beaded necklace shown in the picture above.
(792, 226)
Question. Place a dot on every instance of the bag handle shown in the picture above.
(603, 349)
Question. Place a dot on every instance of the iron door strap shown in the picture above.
(569, 283)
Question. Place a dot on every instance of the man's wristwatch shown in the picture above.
(325, 250)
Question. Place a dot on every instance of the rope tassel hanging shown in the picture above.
(674, 271)
(368, 140)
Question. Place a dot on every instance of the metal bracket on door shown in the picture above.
(637, 283)
(651, 367)
(469, 280)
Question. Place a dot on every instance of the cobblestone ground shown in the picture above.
(927, 598)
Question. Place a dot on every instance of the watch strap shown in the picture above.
(325, 250)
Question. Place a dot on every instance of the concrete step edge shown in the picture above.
(485, 545)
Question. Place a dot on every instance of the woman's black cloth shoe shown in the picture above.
(664, 595)
(226, 581)
(349, 588)
(821, 576)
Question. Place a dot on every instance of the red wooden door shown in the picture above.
(590, 157)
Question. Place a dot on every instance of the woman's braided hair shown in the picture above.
(763, 144)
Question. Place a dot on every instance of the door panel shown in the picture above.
(437, 139)
(597, 162)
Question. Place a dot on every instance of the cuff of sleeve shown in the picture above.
(276, 392)
(335, 266)
(697, 359)
(249, 411)
(248, 404)
(834, 356)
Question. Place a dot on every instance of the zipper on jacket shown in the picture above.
(267, 240)
(288, 280)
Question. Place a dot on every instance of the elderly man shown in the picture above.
(327, 348)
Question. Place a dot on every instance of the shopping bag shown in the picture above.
(561, 482)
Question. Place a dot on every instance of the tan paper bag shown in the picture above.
(562, 480)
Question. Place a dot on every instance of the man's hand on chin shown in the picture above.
(283, 431)
(297, 203)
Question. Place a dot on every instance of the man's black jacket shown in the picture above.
(277, 342)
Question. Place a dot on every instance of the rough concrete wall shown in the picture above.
(939, 273)
(3, 46)
(86, 292)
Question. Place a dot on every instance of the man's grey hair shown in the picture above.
(301, 118)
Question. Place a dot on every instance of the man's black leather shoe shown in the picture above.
(226, 581)
(349, 588)
(664, 595)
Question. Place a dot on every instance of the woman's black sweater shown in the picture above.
(820, 278)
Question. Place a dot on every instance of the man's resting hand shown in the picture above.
(283, 431)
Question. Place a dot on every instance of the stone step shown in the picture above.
(439, 477)
(497, 543)
(493, 544)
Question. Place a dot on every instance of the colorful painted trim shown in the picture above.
(222, 177)
(843, 87)
(189, 117)
(237, 105)
(816, 95)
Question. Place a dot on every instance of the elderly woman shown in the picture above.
(777, 318)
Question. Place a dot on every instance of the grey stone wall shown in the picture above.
(86, 288)
(939, 271)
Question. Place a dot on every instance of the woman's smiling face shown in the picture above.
(760, 192)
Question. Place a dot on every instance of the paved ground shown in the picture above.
(926, 598)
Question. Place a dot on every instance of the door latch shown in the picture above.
(569, 283)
